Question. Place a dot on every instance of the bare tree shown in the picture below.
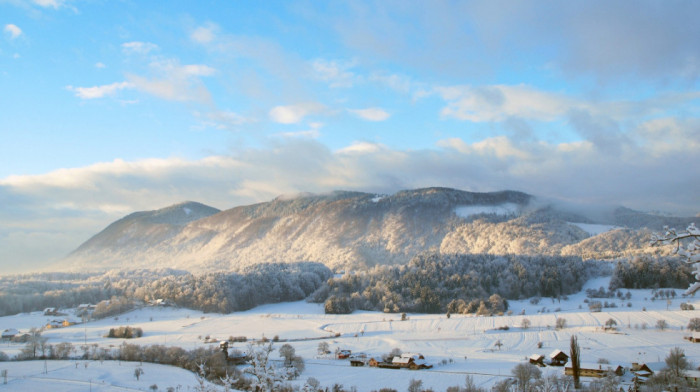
(676, 362)
(687, 246)
(524, 373)
(661, 325)
(575, 355)
(525, 323)
(137, 373)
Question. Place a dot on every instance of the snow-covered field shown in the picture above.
(458, 346)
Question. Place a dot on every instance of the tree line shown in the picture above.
(222, 292)
(458, 283)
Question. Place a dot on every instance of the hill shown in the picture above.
(359, 230)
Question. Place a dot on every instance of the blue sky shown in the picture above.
(107, 107)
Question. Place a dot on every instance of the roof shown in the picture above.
(598, 366)
(557, 353)
(536, 357)
(401, 360)
(10, 332)
(692, 374)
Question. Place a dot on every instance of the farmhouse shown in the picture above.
(595, 370)
(537, 359)
(411, 361)
(343, 354)
(9, 333)
(54, 324)
(641, 371)
(50, 312)
(695, 337)
(692, 376)
(558, 358)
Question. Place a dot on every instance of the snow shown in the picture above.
(594, 229)
(80, 375)
(501, 209)
(456, 347)
(187, 210)
(377, 198)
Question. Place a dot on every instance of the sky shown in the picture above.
(110, 107)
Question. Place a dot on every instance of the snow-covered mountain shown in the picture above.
(355, 230)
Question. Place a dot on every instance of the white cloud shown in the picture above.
(137, 47)
(313, 132)
(204, 34)
(100, 65)
(175, 82)
(198, 70)
(99, 91)
(336, 73)
(371, 114)
(12, 30)
(499, 102)
(55, 4)
(223, 119)
(293, 114)
(361, 148)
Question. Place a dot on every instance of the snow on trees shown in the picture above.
(687, 246)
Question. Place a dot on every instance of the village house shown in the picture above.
(537, 359)
(50, 312)
(694, 337)
(233, 356)
(9, 333)
(640, 372)
(558, 358)
(54, 324)
(411, 361)
(597, 370)
(343, 354)
(693, 377)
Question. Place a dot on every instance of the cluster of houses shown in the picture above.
(412, 361)
(638, 372)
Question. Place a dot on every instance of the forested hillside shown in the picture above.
(356, 231)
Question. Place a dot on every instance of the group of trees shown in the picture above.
(646, 271)
(209, 292)
(434, 283)
(125, 332)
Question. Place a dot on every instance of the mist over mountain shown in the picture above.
(358, 230)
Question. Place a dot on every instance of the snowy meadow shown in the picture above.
(486, 348)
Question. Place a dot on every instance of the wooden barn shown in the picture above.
(558, 358)
(537, 359)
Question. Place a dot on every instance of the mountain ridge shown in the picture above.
(347, 229)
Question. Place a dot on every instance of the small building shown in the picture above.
(596, 370)
(50, 312)
(641, 372)
(558, 358)
(695, 337)
(356, 362)
(537, 359)
(373, 362)
(9, 333)
(411, 361)
(693, 377)
(343, 354)
(68, 323)
(54, 324)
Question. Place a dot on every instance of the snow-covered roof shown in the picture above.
(692, 374)
(10, 332)
(555, 353)
(536, 357)
(411, 355)
(400, 360)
